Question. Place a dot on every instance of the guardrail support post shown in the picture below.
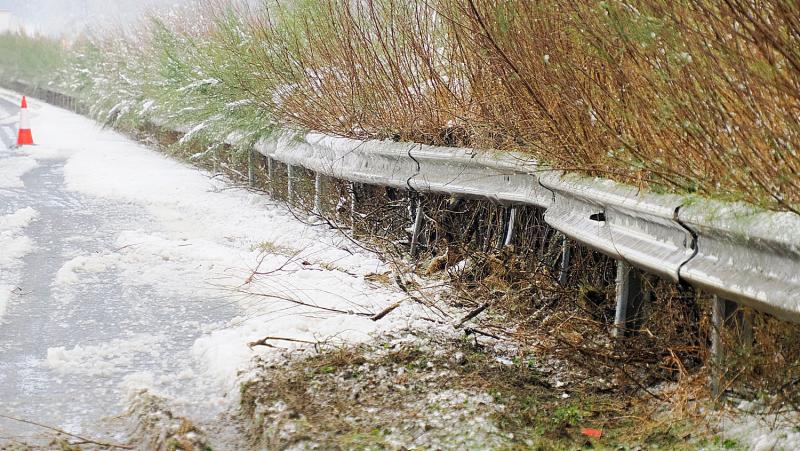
(318, 193)
(417, 228)
(566, 256)
(543, 245)
(250, 172)
(746, 331)
(718, 314)
(726, 314)
(289, 183)
(215, 163)
(353, 207)
(630, 298)
(271, 175)
(500, 239)
(512, 218)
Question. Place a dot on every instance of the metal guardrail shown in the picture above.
(746, 255)
(621, 222)
(736, 252)
(505, 178)
(50, 96)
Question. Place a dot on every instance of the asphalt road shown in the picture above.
(109, 330)
(8, 130)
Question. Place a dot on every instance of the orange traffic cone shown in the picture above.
(25, 137)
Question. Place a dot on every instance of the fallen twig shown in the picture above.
(398, 279)
(305, 304)
(473, 331)
(472, 315)
(386, 311)
(263, 342)
(60, 431)
(125, 247)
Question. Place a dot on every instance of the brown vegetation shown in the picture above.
(690, 96)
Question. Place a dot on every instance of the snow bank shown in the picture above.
(72, 271)
(14, 245)
(12, 169)
(18, 220)
(6, 291)
(103, 359)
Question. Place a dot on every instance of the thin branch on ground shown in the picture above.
(84, 440)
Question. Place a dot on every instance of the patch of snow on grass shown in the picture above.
(194, 130)
(761, 432)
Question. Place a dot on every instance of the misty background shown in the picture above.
(71, 17)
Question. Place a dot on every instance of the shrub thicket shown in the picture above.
(35, 59)
(689, 96)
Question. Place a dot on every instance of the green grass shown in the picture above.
(35, 60)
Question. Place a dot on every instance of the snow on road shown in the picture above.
(14, 245)
(122, 269)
